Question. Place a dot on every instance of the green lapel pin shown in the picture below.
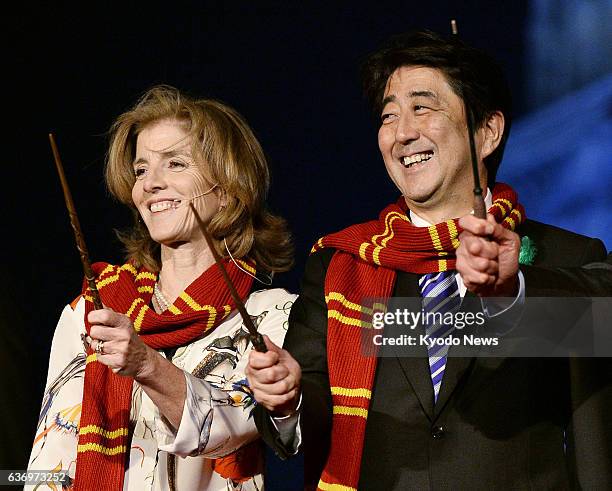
(528, 251)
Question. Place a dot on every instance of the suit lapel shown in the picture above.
(415, 369)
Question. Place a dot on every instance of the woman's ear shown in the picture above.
(222, 198)
(493, 130)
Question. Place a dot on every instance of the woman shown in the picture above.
(116, 411)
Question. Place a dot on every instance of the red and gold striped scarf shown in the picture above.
(394, 242)
(104, 441)
(364, 267)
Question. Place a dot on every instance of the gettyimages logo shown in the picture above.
(445, 327)
(535, 328)
(410, 319)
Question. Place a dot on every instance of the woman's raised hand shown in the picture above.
(274, 378)
(117, 345)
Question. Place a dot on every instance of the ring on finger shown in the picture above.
(100, 347)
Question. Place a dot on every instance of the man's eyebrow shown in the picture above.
(388, 99)
(414, 93)
(167, 154)
(423, 93)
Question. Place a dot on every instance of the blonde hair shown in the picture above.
(225, 148)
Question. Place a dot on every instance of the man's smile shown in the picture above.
(409, 160)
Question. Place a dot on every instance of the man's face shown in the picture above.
(424, 142)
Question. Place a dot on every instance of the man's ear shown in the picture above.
(492, 132)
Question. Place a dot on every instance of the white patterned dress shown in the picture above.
(216, 418)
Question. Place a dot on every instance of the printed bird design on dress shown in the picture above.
(66, 419)
(224, 349)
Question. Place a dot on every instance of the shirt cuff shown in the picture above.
(512, 308)
(288, 428)
(494, 306)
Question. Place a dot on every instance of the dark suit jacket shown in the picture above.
(499, 423)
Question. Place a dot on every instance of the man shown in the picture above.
(435, 421)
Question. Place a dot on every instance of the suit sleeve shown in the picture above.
(591, 278)
(306, 340)
(589, 432)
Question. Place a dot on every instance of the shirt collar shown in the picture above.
(417, 221)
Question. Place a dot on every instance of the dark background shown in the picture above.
(290, 69)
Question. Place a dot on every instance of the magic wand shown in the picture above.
(256, 337)
(76, 227)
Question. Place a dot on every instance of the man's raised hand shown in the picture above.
(487, 258)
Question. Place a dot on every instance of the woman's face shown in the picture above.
(167, 179)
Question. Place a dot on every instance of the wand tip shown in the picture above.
(454, 29)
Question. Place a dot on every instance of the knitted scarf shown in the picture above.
(364, 267)
(104, 440)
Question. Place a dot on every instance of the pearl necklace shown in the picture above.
(161, 300)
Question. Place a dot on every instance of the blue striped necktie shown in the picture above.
(440, 293)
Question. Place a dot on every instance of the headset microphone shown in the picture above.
(202, 194)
